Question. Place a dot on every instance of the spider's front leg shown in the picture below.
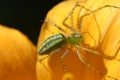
(95, 51)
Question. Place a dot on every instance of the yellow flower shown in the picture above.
(103, 27)
(17, 55)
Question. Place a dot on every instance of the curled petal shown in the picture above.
(102, 38)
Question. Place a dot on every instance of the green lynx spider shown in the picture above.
(54, 42)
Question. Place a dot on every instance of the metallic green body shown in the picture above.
(57, 40)
(52, 43)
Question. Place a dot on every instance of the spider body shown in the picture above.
(56, 41)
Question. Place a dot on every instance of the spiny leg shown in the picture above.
(100, 8)
(85, 62)
(66, 25)
(82, 33)
(82, 7)
(70, 14)
(99, 40)
(81, 18)
(62, 60)
(72, 23)
(94, 51)
(103, 55)
(58, 27)
(79, 27)
(90, 66)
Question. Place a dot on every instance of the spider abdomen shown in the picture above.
(52, 43)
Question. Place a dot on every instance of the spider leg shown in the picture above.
(58, 27)
(83, 33)
(101, 53)
(62, 60)
(93, 11)
(81, 57)
(70, 14)
(81, 18)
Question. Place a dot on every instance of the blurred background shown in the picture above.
(25, 15)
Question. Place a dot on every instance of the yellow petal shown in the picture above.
(17, 55)
(102, 25)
